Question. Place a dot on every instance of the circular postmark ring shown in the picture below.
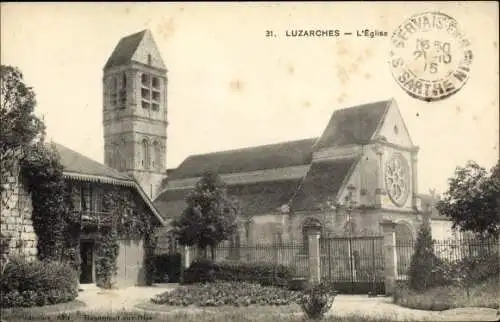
(430, 56)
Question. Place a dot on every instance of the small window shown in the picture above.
(124, 80)
(145, 79)
(149, 59)
(396, 129)
(145, 154)
(155, 107)
(157, 154)
(145, 93)
(156, 82)
(156, 96)
(145, 104)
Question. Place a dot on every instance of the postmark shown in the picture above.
(430, 56)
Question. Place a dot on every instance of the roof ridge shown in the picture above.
(60, 146)
(253, 147)
(363, 105)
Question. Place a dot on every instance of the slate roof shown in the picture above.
(79, 167)
(262, 157)
(75, 162)
(353, 125)
(123, 52)
(172, 203)
(322, 182)
(254, 198)
(264, 197)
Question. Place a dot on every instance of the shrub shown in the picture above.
(37, 283)
(167, 267)
(484, 294)
(200, 271)
(298, 284)
(421, 274)
(227, 293)
(316, 302)
(262, 273)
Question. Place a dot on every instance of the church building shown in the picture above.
(365, 159)
(135, 111)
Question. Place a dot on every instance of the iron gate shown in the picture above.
(354, 265)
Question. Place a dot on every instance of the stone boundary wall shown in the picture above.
(18, 235)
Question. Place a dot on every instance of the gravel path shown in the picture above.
(98, 300)
(383, 307)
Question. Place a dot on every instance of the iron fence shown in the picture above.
(353, 264)
(286, 254)
(449, 251)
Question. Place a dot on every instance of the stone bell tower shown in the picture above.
(135, 111)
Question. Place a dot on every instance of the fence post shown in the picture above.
(186, 259)
(313, 234)
(390, 259)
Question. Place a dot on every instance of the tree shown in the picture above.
(473, 200)
(20, 127)
(423, 260)
(210, 215)
(22, 147)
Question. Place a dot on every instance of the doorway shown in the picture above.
(87, 261)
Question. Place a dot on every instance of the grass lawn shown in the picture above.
(215, 315)
(35, 312)
(485, 294)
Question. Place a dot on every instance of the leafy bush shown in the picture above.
(262, 273)
(37, 283)
(298, 284)
(317, 301)
(200, 271)
(167, 268)
(484, 294)
(422, 273)
(227, 293)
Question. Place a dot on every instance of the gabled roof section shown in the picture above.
(353, 125)
(262, 157)
(79, 167)
(255, 198)
(135, 47)
(77, 163)
(322, 183)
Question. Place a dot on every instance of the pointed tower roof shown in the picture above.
(136, 47)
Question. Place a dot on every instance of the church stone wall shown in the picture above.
(264, 229)
(16, 208)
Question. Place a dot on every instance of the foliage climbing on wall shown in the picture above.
(22, 143)
(52, 216)
(128, 220)
(107, 247)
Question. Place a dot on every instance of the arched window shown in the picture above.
(145, 154)
(404, 234)
(156, 158)
(123, 154)
(404, 246)
(153, 155)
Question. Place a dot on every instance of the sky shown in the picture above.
(230, 86)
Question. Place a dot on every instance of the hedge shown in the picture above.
(167, 268)
(26, 284)
(265, 274)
